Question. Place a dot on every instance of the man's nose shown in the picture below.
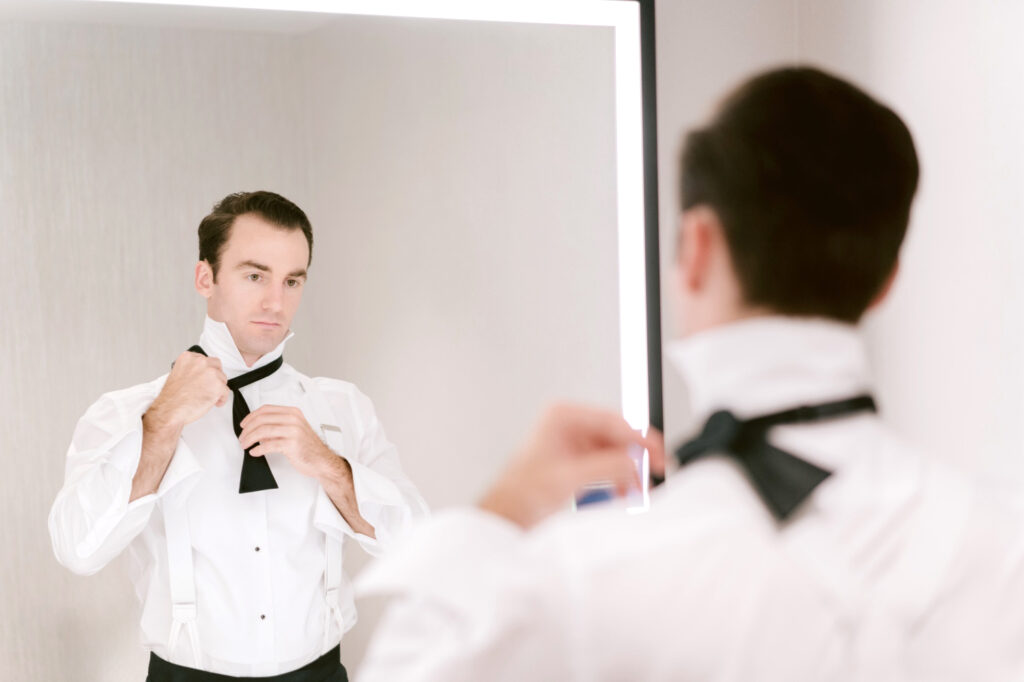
(272, 298)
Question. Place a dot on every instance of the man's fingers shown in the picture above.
(280, 410)
(267, 447)
(593, 425)
(261, 416)
(262, 433)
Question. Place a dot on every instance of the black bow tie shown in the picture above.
(256, 474)
(783, 480)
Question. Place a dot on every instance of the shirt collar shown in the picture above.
(765, 364)
(218, 343)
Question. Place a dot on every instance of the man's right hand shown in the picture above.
(572, 446)
(196, 383)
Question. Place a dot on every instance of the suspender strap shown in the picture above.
(332, 551)
(180, 573)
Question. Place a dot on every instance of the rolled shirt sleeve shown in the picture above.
(385, 496)
(92, 520)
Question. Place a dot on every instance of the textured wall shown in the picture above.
(112, 143)
(464, 188)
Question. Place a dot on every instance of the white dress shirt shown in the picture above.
(260, 562)
(893, 569)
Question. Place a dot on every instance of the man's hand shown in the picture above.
(571, 447)
(196, 383)
(286, 430)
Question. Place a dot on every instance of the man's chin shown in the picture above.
(264, 343)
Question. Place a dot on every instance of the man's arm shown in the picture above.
(475, 594)
(119, 455)
(337, 482)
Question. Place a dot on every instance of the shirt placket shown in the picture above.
(261, 608)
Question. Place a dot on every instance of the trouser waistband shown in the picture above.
(327, 668)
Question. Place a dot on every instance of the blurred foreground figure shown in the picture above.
(800, 539)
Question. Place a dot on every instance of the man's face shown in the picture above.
(259, 284)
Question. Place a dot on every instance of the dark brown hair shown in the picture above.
(215, 229)
(812, 180)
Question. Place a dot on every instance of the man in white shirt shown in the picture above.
(792, 544)
(233, 480)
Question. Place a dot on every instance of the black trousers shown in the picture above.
(327, 668)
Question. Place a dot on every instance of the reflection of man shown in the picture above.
(237, 555)
(806, 544)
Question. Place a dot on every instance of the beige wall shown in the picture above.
(112, 142)
(948, 348)
(464, 189)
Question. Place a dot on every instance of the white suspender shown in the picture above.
(180, 572)
(332, 550)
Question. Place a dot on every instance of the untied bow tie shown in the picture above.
(256, 474)
(782, 480)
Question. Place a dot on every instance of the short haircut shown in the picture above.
(215, 229)
(812, 180)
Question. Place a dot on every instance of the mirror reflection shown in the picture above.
(458, 179)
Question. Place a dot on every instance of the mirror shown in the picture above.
(476, 189)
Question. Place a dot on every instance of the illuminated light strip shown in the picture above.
(624, 18)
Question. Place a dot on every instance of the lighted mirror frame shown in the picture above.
(636, 150)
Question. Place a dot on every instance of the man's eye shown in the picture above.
(254, 276)
(293, 283)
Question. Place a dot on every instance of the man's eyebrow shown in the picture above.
(298, 273)
(252, 264)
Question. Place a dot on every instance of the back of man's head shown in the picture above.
(812, 180)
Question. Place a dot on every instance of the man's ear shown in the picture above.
(204, 279)
(696, 233)
(883, 293)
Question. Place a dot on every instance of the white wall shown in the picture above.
(113, 143)
(948, 348)
(466, 273)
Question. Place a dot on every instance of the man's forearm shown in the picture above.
(337, 483)
(159, 440)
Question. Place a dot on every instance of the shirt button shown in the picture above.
(263, 616)
(257, 549)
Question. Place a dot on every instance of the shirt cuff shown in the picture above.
(379, 501)
(459, 557)
(124, 451)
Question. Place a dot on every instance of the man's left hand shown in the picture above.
(286, 430)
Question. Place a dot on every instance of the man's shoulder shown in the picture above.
(336, 390)
(326, 384)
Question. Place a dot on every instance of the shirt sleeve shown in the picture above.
(386, 498)
(91, 520)
(471, 598)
